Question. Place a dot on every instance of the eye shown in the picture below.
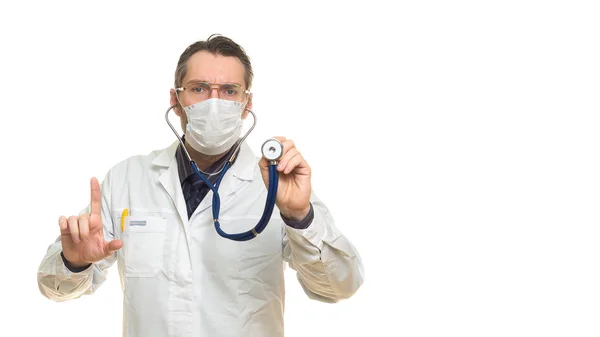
(200, 88)
(229, 90)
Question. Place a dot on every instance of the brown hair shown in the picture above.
(218, 45)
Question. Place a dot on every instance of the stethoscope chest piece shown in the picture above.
(272, 150)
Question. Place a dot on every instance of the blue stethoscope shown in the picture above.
(272, 150)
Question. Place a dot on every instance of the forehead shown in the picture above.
(205, 66)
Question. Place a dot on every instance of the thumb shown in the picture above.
(113, 246)
(264, 169)
(263, 164)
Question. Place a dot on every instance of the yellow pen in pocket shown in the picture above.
(123, 215)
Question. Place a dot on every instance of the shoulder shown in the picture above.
(137, 164)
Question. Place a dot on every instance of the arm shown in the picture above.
(60, 282)
(328, 266)
(57, 282)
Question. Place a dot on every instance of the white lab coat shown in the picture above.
(180, 278)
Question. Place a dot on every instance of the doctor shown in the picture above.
(152, 215)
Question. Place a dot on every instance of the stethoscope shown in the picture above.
(272, 150)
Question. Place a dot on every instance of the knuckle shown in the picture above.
(95, 217)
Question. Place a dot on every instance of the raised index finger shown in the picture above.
(96, 203)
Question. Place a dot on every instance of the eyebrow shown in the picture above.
(197, 81)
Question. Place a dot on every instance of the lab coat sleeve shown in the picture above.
(328, 265)
(57, 282)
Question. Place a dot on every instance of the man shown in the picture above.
(153, 216)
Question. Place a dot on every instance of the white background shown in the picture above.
(456, 144)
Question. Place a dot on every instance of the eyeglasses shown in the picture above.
(200, 91)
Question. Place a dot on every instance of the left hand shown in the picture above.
(293, 191)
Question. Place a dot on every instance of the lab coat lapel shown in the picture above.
(169, 179)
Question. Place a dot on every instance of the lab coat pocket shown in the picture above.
(143, 241)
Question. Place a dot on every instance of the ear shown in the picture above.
(173, 101)
(248, 106)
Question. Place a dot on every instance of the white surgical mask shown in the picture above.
(213, 125)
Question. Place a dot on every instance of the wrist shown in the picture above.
(74, 265)
(296, 215)
(79, 265)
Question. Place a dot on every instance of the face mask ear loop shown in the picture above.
(175, 132)
(172, 128)
(178, 101)
(237, 149)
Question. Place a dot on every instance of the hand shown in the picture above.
(293, 191)
(82, 236)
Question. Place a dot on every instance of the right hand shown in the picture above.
(82, 236)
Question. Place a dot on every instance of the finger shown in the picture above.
(280, 138)
(295, 163)
(283, 162)
(95, 221)
(96, 203)
(63, 225)
(84, 229)
(111, 247)
(74, 228)
(288, 144)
